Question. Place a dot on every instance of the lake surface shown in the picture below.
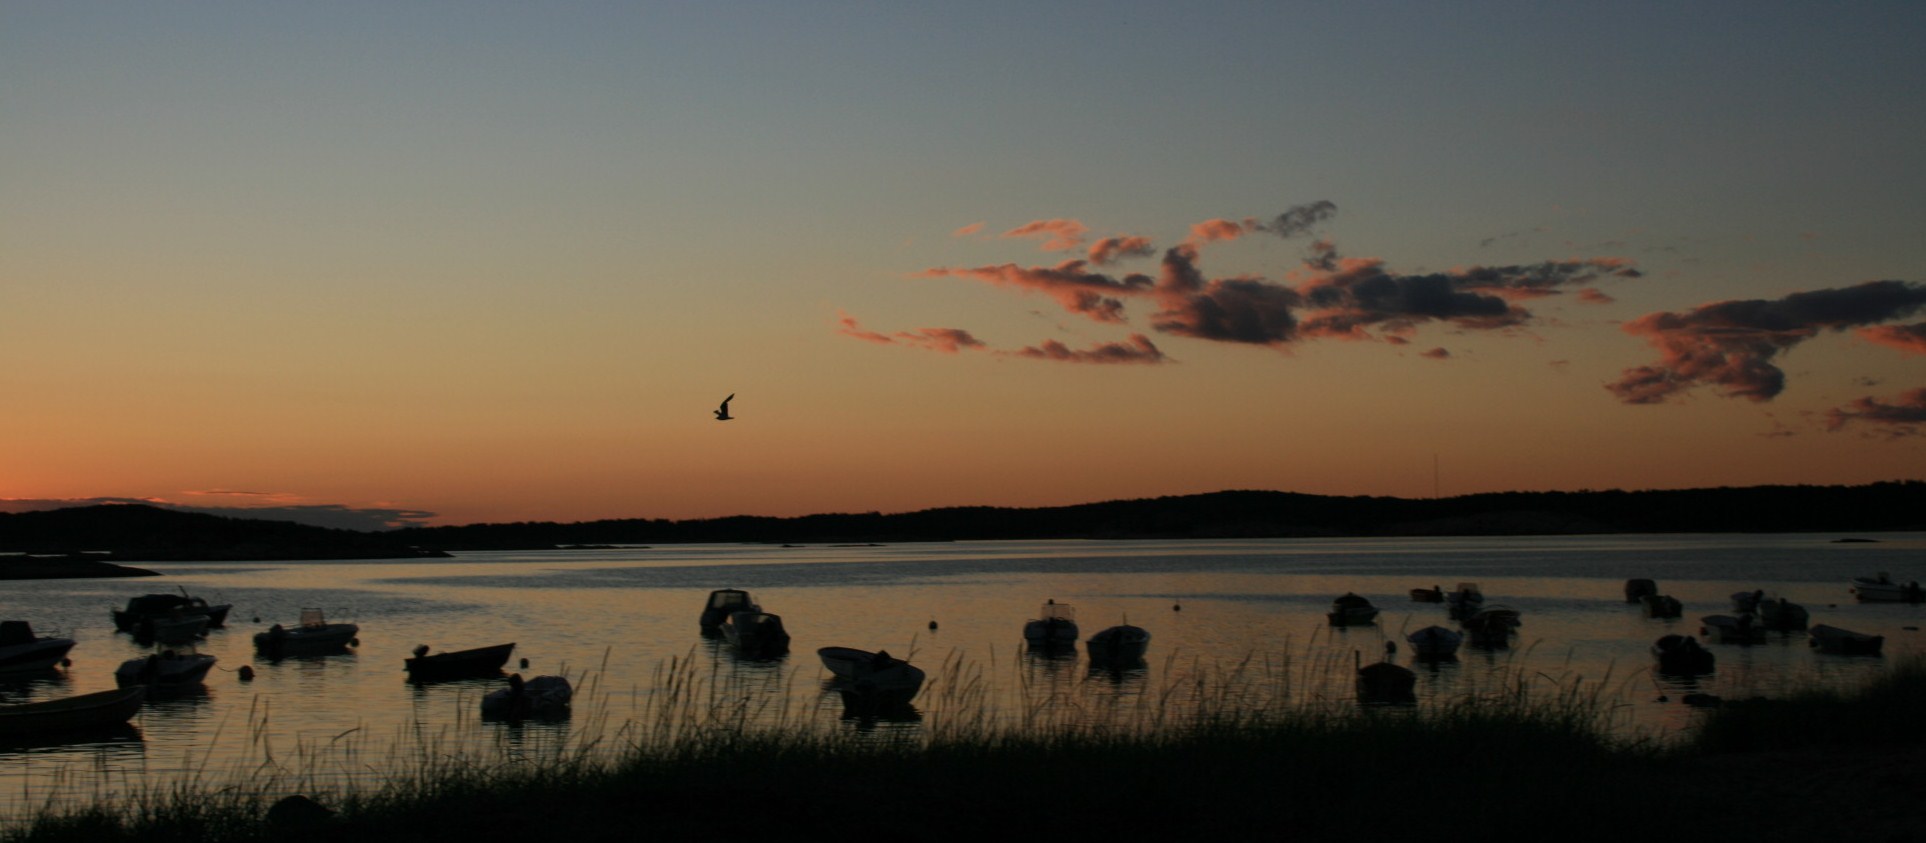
(1243, 618)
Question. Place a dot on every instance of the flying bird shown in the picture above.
(723, 414)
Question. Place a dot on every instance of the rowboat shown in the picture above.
(1351, 610)
(756, 634)
(83, 713)
(1435, 642)
(458, 664)
(543, 698)
(1681, 655)
(1845, 642)
(1119, 647)
(877, 677)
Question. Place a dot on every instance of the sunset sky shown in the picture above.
(458, 262)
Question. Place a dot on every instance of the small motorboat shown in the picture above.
(1681, 655)
(1746, 602)
(1435, 642)
(1783, 615)
(1882, 589)
(165, 670)
(21, 651)
(1491, 627)
(756, 634)
(147, 606)
(877, 674)
(1844, 642)
(476, 663)
(722, 603)
(540, 698)
(1054, 627)
(1119, 646)
(313, 635)
(1433, 594)
(178, 626)
(1636, 589)
(1661, 606)
(1464, 601)
(1385, 683)
(1729, 629)
(1351, 610)
(98, 711)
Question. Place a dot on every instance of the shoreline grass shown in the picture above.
(1241, 748)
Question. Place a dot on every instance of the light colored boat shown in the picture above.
(169, 669)
(1351, 610)
(1882, 589)
(1435, 642)
(1845, 642)
(313, 635)
(1119, 646)
(1055, 626)
(21, 651)
(756, 634)
(542, 698)
(86, 712)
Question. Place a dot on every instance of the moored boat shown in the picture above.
(1783, 615)
(1844, 642)
(86, 712)
(756, 634)
(313, 635)
(168, 670)
(1351, 610)
(1119, 646)
(721, 604)
(1492, 626)
(21, 651)
(1435, 642)
(176, 627)
(473, 663)
(1385, 683)
(1433, 594)
(542, 698)
(147, 606)
(876, 674)
(1882, 589)
(1637, 589)
(1728, 629)
(1464, 601)
(1661, 606)
(1054, 627)
(1681, 655)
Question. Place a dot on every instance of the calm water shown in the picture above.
(611, 620)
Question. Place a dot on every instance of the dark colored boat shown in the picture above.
(84, 713)
(724, 602)
(756, 635)
(1385, 683)
(1681, 655)
(1845, 642)
(1119, 647)
(1639, 588)
(21, 651)
(479, 662)
(140, 610)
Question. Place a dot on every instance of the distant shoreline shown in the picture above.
(67, 567)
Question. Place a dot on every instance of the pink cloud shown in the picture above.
(1058, 235)
(1091, 294)
(1139, 349)
(968, 230)
(940, 340)
(1731, 344)
(1436, 354)
(1593, 295)
(1902, 417)
(1112, 249)
(1907, 338)
(1211, 231)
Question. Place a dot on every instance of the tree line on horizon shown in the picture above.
(133, 532)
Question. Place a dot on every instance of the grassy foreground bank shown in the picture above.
(1819, 763)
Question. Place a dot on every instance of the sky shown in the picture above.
(440, 262)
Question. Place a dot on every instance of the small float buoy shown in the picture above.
(1176, 607)
(1664, 698)
(257, 618)
(932, 624)
(524, 662)
(247, 673)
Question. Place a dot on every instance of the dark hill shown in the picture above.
(1259, 514)
(132, 532)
